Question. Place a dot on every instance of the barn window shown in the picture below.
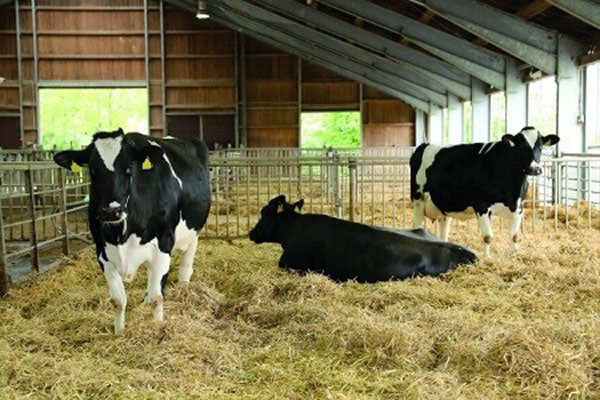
(592, 95)
(70, 116)
(542, 105)
(335, 129)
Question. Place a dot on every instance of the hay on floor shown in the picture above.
(519, 326)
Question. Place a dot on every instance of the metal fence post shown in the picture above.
(4, 279)
(35, 254)
(65, 224)
(335, 184)
(351, 185)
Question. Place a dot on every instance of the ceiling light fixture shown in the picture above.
(202, 12)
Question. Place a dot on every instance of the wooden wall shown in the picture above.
(271, 82)
(10, 103)
(202, 79)
(386, 120)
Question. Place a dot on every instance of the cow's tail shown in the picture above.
(415, 162)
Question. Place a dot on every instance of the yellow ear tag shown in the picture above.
(146, 165)
(511, 143)
(75, 167)
(279, 208)
(297, 209)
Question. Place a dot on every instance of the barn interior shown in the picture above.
(240, 74)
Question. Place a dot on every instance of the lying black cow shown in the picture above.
(345, 250)
(148, 197)
(478, 179)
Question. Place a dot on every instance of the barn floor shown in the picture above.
(521, 326)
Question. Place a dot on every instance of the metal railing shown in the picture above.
(43, 211)
(44, 208)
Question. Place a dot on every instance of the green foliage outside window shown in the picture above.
(69, 117)
(335, 129)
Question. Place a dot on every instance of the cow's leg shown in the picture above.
(157, 269)
(187, 263)
(485, 228)
(118, 297)
(444, 225)
(418, 213)
(515, 225)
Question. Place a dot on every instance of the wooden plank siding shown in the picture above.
(271, 83)
(190, 67)
(386, 121)
(10, 93)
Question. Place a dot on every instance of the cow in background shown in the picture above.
(476, 180)
(344, 250)
(148, 197)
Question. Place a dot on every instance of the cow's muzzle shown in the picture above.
(111, 214)
(534, 170)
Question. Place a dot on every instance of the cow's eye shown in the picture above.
(128, 171)
(92, 171)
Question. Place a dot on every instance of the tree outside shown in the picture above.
(335, 129)
(69, 117)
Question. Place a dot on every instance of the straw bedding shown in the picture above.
(519, 326)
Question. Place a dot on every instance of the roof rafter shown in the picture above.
(397, 76)
(586, 10)
(263, 31)
(523, 40)
(484, 64)
(433, 70)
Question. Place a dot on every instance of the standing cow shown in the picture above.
(148, 197)
(344, 250)
(478, 179)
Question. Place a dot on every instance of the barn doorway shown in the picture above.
(336, 129)
(70, 116)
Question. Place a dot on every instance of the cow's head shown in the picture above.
(113, 159)
(526, 147)
(275, 218)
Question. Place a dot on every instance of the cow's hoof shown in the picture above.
(157, 308)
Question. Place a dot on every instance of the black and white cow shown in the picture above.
(476, 180)
(148, 197)
(345, 250)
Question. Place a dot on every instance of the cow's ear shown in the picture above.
(298, 205)
(277, 201)
(73, 159)
(508, 139)
(550, 140)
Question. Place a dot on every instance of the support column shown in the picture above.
(455, 120)
(516, 99)
(569, 108)
(435, 124)
(569, 101)
(480, 110)
(420, 134)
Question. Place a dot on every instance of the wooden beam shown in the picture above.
(532, 9)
